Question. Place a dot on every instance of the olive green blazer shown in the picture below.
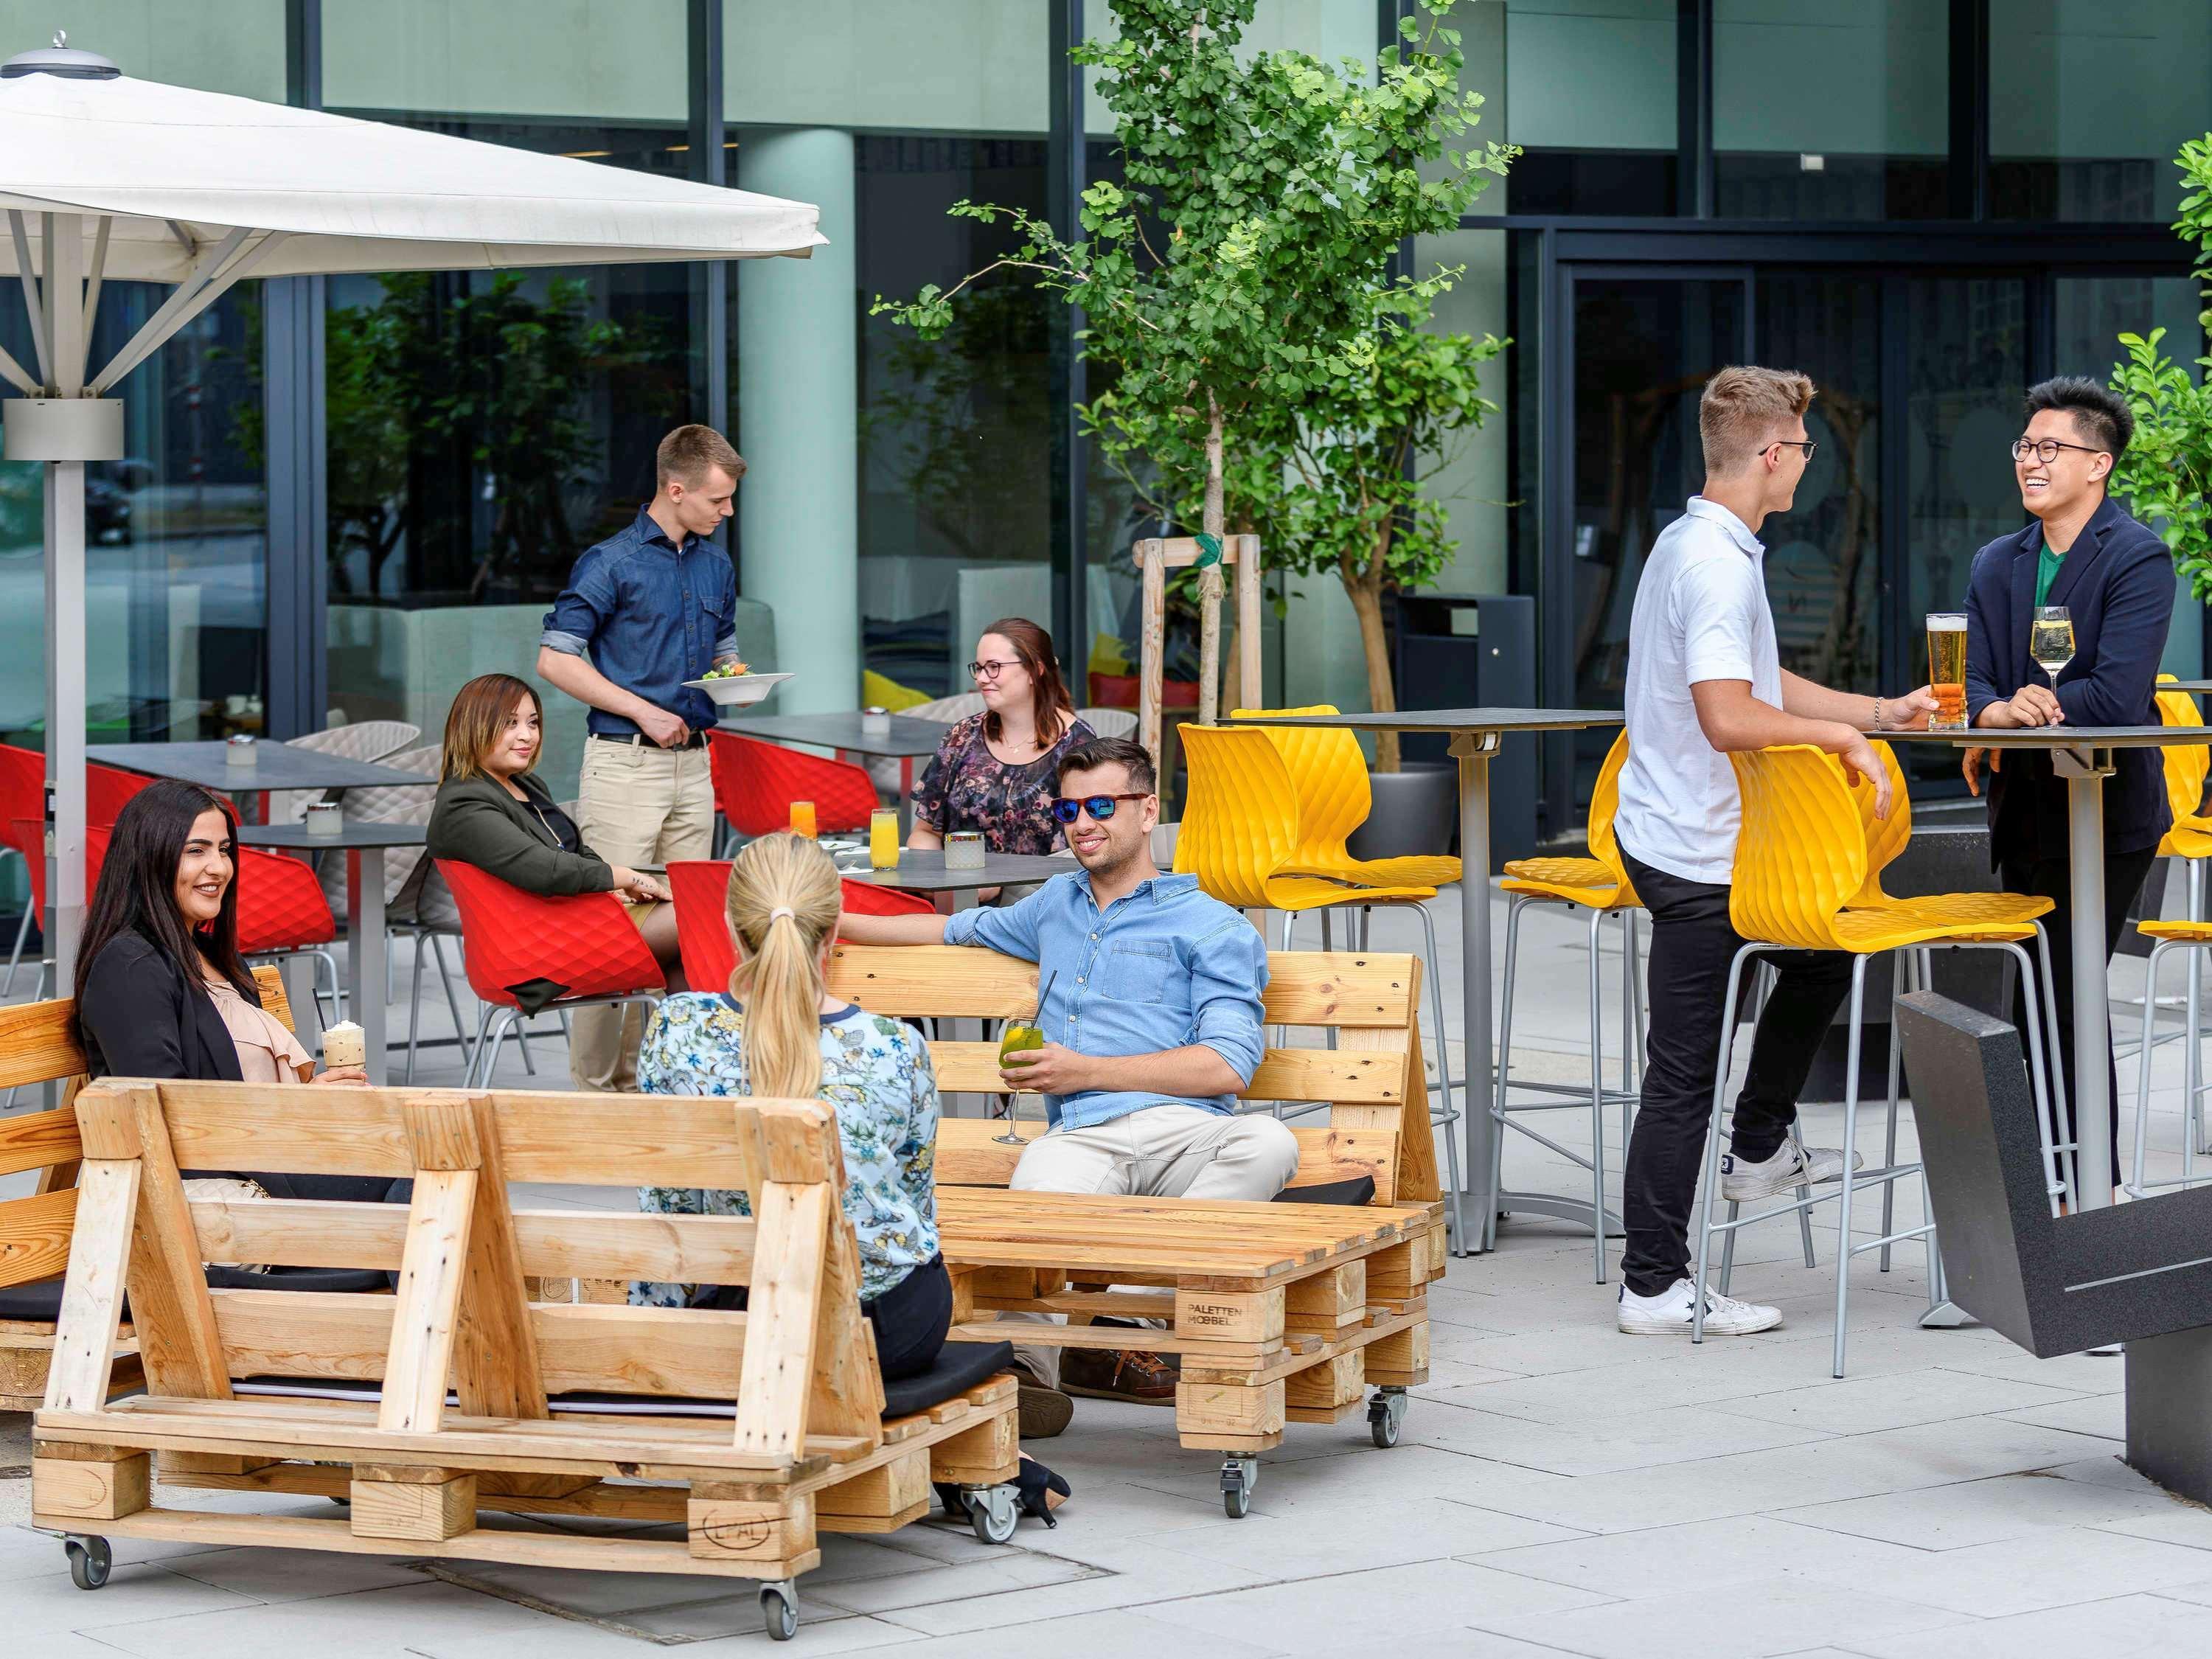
(476, 822)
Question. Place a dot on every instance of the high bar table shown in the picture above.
(1475, 735)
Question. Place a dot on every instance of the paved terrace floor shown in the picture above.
(1560, 1489)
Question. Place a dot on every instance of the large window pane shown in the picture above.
(2089, 101)
(176, 537)
(1823, 111)
(558, 58)
(1589, 92)
(217, 46)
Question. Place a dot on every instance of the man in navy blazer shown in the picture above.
(2115, 577)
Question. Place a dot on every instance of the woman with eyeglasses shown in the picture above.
(994, 772)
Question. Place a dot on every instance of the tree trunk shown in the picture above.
(1366, 596)
(1214, 523)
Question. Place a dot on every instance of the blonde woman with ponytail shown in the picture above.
(776, 1031)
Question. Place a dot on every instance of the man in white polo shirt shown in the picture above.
(1705, 680)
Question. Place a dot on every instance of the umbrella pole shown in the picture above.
(62, 327)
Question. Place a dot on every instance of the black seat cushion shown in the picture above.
(1360, 1190)
(299, 1278)
(960, 1366)
(40, 1300)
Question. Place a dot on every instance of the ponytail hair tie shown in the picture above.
(780, 910)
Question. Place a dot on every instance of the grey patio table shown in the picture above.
(364, 845)
(275, 766)
(2082, 754)
(1475, 735)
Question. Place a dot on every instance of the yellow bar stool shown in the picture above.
(2189, 840)
(1328, 774)
(1242, 830)
(1598, 885)
(1801, 858)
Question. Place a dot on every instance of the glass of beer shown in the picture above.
(802, 819)
(2050, 640)
(1946, 670)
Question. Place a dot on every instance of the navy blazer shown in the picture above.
(2118, 581)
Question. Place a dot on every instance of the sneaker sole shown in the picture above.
(1631, 1326)
(1045, 1414)
(1167, 1398)
(1771, 1186)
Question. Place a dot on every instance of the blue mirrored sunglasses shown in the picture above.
(1101, 807)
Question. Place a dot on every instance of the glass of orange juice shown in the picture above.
(884, 838)
(802, 819)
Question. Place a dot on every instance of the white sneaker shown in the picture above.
(1794, 1164)
(1669, 1313)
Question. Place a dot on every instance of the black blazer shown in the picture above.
(476, 822)
(2118, 581)
(139, 1017)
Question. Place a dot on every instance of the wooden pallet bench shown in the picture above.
(459, 1393)
(38, 1045)
(1278, 1313)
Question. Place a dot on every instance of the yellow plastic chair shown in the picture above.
(1887, 837)
(1243, 825)
(1599, 886)
(1801, 858)
(1328, 770)
(2189, 840)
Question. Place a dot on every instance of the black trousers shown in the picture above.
(1693, 944)
(2021, 871)
(910, 1319)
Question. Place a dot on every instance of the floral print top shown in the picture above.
(876, 1076)
(969, 787)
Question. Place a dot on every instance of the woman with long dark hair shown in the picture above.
(996, 771)
(161, 991)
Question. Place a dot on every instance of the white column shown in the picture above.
(798, 401)
(64, 257)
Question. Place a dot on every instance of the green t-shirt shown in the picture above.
(2046, 571)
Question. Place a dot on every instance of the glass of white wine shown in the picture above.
(2050, 640)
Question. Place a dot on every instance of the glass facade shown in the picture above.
(1700, 182)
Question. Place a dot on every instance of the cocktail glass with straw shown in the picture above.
(1019, 1036)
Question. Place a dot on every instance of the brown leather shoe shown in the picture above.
(1138, 1375)
(1045, 1413)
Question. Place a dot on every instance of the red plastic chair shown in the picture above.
(756, 783)
(701, 887)
(105, 789)
(584, 944)
(23, 803)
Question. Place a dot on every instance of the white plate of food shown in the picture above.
(737, 691)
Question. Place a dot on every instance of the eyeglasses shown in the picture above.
(1101, 807)
(2046, 449)
(1807, 444)
(989, 670)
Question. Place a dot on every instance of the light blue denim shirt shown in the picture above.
(1162, 968)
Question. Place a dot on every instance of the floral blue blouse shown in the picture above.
(875, 1073)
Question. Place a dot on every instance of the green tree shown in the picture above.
(2167, 474)
(1244, 267)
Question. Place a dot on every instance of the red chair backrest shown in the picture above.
(22, 784)
(586, 943)
(703, 930)
(1123, 690)
(105, 789)
(756, 783)
(281, 904)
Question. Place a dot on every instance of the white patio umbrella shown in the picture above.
(106, 177)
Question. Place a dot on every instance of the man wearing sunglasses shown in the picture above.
(2113, 577)
(1152, 1023)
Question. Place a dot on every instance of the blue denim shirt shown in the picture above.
(650, 615)
(1162, 968)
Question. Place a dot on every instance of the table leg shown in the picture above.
(365, 964)
(2084, 772)
(1472, 749)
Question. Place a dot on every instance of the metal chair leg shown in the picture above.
(1711, 1181)
(1452, 1198)
(23, 933)
(413, 1009)
(1494, 1181)
(501, 1022)
(475, 1048)
(1856, 1030)
(1597, 1100)
(1899, 982)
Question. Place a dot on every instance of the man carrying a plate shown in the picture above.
(649, 608)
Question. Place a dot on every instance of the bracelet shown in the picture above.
(1877, 715)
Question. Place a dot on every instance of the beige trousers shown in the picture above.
(1168, 1151)
(636, 804)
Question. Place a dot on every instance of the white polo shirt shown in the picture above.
(1701, 614)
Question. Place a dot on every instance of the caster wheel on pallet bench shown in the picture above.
(1238, 1476)
(89, 1562)
(780, 1611)
(1386, 1411)
(992, 1513)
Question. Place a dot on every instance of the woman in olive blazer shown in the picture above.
(493, 812)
